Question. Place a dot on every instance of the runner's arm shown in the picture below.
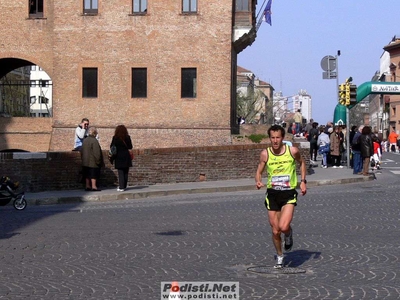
(260, 168)
(303, 169)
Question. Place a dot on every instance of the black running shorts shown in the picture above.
(276, 199)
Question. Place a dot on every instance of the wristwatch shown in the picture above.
(304, 180)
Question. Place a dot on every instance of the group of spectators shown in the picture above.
(86, 141)
(330, 141)
(365, 148)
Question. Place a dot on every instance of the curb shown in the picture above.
(129, 195)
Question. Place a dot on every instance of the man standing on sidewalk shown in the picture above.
(356, 150)
(281, 197)
(298, 119)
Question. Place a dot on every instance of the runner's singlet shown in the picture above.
(281, 170)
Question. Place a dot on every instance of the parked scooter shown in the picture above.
(7, 193)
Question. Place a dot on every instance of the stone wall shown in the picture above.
(60, 170)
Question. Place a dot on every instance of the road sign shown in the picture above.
(328, 75)
(328, 63)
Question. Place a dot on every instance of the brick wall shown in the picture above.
(30, 134)
(114, 41)
(60, 170)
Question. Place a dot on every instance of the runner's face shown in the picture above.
(276, 139)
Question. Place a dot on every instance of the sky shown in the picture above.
(288, 54)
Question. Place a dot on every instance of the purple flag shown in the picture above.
(267, 13)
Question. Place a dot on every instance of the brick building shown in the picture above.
(392, 102)
(166, 69)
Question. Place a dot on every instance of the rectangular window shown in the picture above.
(189, 83)
(36, 8)
(242, 5)
(89, 83)
(189, 6)
(90, 6)
(139, 82)
(139, 6)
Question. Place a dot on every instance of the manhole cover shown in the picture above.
(271, 270)
(176, 232)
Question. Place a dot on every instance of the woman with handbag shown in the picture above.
(123, 158)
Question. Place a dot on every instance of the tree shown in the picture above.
(250, 105)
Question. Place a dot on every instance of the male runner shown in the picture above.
(281, 197)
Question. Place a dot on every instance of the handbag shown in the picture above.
(131, 154)
(130, 151)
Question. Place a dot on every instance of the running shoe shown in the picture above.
(289, 241)
(279, 262)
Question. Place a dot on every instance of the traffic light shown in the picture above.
(353, 94)
(342, 94)
(347, 101)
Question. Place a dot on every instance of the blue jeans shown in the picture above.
(297, 128)
(357, 162)
(324, 156)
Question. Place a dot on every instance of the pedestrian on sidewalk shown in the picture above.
(281, 196)
(313, 138)
(356, 150)
(92, 160)
(352, 134)
(323, 143)
(81, 132)
(366, 148)
(298, 119)
(123, 159)
(335, 147)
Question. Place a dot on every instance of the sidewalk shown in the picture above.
(318, 176)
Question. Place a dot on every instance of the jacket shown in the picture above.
(123, 159)
(366, 146)
(355, 142)
(323, 139)
(92, 156)
(80, 134)
(335, 144)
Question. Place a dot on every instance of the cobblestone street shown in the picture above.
(345, 240)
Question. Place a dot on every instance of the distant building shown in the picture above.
(41, 93)
(280, 108)
(391, 73)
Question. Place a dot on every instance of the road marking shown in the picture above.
(387, 160)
